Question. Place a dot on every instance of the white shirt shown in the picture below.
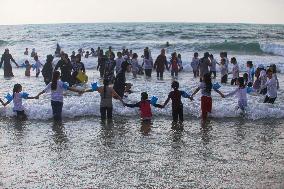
(118, 63)
(235, 71)
(213, 65)
(241, 93)
(17, 100)
(38, 66)
(263, 79)
(271, 85)
(56, 95)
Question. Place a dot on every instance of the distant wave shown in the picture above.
(253, 47)
(2, 42)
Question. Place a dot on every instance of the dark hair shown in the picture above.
(124, 65)
(49, 58)
(273, 68)
(241, 82)
(135, 55)
(206, 54)
(211, 56)
(144, 96)
(78, 56)
(16, 88)
(195, 54)
(175, 85)
(245, 76)
(55, 77)
(208, 82)
(250, 63)
(146, 54)
(106, 82)
(233, 59)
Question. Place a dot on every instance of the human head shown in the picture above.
(211, 56)
(17, 88)
(109, 48)
(27, 62)
(195, 54)
(6, 51)
(73, 53)
(233, 60)
(241, 82)
(273, 68)
(78, 58)
(174, 55)
(249, 64)
(49, 58)
(222, 54)
(179, 55)
(125, 66)
(119, 54)
(36, 58)
(245, 76)
(206, 55)
(146, 54)
(175, 85)
(223, 61)
(163, 51)
(55, 78)
(135, 55)
(144, 96)
(269, 73)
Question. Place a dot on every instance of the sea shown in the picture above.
(233, 150)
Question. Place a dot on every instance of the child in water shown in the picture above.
(38, 65)
(195, 65)
(271, 85)
(17, 100)
(250, 72)
(134, 65)
(57, 87)
(106, 93)
(206, 100)
(145, 107)
(223, 69)
(241, 93)
(174, 66)
(213, 66)
(235, 71)
(28, 68)
(177, 106)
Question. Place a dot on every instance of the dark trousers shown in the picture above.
(21, 115)
(178, 114)
(174, 73)
(269, 100)
(106, 112)
(160, 74)
(234, 81)
(196, 73)
(57, 110)
(224, 79)
(148, 72)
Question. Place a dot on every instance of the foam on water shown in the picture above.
(88, 104)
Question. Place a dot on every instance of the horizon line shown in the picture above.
(145, 22)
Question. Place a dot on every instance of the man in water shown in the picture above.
(6, 58)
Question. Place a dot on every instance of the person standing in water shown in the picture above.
(160, 64)
(106, 93)
(6, 59)
(120, 80)
(66, 67)
(47, 69)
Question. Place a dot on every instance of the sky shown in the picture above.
(93, 11)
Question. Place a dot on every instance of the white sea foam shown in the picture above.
(88, 104)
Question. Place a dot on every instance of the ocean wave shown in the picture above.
(276, 49)
(253, 47)
(2, 42)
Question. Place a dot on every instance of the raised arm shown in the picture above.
(220, 93)
(196, 91)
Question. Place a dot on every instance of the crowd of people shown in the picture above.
(112, 69)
